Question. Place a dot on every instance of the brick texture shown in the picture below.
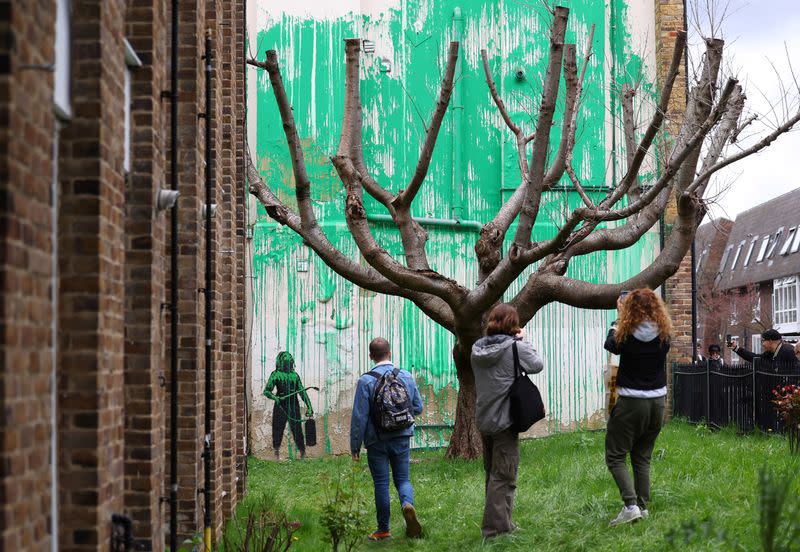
(103, 281)
(669, 20)
(27, 127)
(146, 230)
(90, 259)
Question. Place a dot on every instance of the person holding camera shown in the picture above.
(492, 361)
(777, 353)
(641, 338)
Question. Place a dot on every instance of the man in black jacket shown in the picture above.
(777, 355)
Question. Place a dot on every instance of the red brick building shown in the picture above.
(85, 278)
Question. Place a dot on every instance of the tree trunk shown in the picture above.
(465, 442)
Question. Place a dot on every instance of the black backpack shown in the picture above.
(390, 407)
(527, 407)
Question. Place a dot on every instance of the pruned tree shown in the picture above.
(734, 311)
(689, 159)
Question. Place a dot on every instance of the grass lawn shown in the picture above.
(565, 495)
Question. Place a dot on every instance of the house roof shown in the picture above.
(707, 236)
(764, 243)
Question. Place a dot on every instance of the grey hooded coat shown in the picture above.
(493, 365)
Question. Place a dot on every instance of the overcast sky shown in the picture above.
(756, 32)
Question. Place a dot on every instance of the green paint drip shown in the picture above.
(302, 305)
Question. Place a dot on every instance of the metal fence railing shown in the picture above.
(738, 394)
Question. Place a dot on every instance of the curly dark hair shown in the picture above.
(638, 306)
(503, 319)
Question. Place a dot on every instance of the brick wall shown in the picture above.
(111, 255)
(27, 126)
(669, 20)
(240, 198)
(146, 230)
(91, 260)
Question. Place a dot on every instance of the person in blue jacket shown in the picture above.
(385, 450)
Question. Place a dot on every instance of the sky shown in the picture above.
(757, 32)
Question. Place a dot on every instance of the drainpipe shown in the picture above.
(54, 346)
(458, 121)
(472, 225)
(693, 258)
(209, 298)
(173, 303)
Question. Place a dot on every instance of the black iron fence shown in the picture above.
(738, 394)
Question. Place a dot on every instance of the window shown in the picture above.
(796, 244)
(788, 242)
(725, 258)
(774, 242)
(698, 263)
(763, 249)
(61, 96)
(736, 255)
(750, 251)
(131, 61)
(784, 300)
(756, 348)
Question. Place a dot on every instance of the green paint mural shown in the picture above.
(302, 306)
(285, 387)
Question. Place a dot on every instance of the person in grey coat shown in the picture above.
(493, 365)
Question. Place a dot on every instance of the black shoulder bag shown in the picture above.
(527, 407)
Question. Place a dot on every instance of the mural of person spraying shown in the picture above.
(288, 387)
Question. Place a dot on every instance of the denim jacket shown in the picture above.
(362, 430)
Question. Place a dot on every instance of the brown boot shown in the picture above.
(413, 528)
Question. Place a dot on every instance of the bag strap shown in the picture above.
(395, 371)
(374, 374)
(517, 368)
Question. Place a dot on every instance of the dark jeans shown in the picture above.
(380, 456)
(632, 429)
(285, 411)
(500, 461)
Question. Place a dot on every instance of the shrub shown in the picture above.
(344, 514)
(264, 529)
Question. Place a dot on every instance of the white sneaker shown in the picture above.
(627, 515)
(645, 512)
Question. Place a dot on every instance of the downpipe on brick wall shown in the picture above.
(209, 298)
(173, 303)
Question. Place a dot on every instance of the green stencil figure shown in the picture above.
(287, 407)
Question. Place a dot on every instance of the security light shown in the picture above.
(213, 209)
(166, 199)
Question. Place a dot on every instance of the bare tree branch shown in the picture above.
(556, 170)
(406, 197)
(302, 183)
(412, 234)
(722, 136)
(365, 277)
(741, 127)
(676, 164)
(351, 140)
(755, 148)
(629, 133)
(427, 281)
(498, 101)
(541, 142)
(653, 127)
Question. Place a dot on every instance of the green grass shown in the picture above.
(565, 496)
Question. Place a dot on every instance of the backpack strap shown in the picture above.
(517, 368)
(395, 371)
(374, 374)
